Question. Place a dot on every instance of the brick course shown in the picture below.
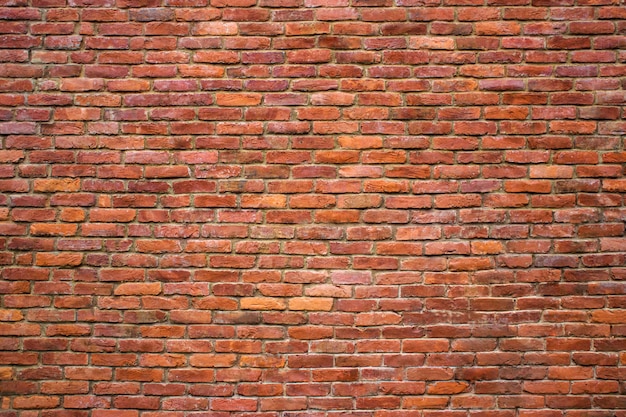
(312, 208)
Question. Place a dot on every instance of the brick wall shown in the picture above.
(312, 208)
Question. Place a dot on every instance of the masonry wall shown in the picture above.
(312, 208)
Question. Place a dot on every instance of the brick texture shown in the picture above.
(312, 208)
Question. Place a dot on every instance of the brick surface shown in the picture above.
(312, 208)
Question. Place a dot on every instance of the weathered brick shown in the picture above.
(315, 194)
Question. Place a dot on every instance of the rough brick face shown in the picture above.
(312, 208)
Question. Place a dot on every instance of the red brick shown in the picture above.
(392, 186)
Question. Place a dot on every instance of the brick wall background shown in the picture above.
(312, 208)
